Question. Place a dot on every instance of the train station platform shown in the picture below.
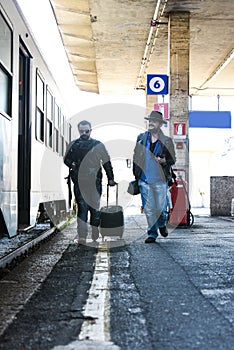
(124, 294)
(9, 245)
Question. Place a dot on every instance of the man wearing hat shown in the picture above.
(154, 154)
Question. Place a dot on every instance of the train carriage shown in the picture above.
(34, 129)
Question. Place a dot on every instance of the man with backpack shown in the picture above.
(85, 158)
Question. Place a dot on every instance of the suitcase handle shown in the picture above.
(117, 191)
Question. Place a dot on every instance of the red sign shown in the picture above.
(179, 129)
(163, 108)
(179, 145)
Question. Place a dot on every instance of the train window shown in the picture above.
(69, 133)
(56, 140)
(40, 126)
(40, 93)
(49, 105)
(49, 121)
(6, 44)
(66, 146)
(5, 92)
(56, 127)
(40, 113)
(56, 116)
(62, 146)
(62, 129)
(67, 136)
(49, 134)
(62, 132)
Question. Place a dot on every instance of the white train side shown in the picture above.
(34, 131)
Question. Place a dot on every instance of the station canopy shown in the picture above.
(112, 45)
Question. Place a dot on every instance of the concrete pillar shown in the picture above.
(150, 101)
(179, 38)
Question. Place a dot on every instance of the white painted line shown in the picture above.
(96, 311)
(95, 330)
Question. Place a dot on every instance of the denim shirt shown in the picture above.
(152, 172)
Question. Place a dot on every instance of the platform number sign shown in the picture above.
(157, 84)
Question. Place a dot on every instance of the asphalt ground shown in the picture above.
(177, 293)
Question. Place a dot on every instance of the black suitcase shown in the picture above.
(111, 218)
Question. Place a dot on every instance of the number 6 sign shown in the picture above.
(157, 84)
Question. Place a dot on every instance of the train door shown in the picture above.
(24, 139)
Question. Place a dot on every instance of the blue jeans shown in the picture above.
(154, 198)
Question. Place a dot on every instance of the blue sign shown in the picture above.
(210, 119)
(157, 84)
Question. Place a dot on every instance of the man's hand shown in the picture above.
(73, 165)
(161, 160)
(111, 183)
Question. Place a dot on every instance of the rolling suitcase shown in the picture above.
(111, 218)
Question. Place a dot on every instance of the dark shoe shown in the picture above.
(82, 241)
(150, 240)
(163, 231)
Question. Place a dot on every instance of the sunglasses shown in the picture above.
(84, 131)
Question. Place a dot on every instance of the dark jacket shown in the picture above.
(89, 156)
(167, 151)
